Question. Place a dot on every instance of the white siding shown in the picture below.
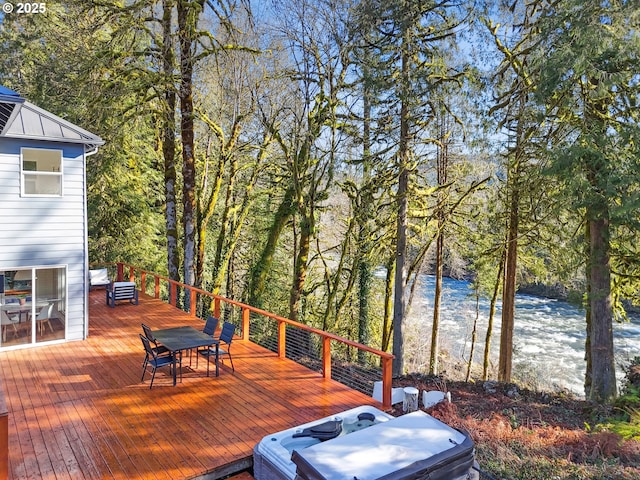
(42, 231)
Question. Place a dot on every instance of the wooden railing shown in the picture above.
(131, 273)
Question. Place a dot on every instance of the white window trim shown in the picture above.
(24, 173)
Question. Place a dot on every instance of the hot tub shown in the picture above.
(272, 456)
(412, 446)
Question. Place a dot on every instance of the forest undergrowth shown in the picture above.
(522, 434)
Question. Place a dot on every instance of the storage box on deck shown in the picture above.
(415, 445)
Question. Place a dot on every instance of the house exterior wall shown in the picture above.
(47, 231)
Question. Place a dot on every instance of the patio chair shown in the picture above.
(160, 350)
(157, 361)
(210, 327)
(226, 336)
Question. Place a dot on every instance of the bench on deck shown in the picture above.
(118, 291)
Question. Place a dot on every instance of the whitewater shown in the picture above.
(549, 334)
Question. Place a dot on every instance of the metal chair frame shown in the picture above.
(156, 361)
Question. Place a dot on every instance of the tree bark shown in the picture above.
(185, 34)
(169, 145)
(509, 293)
(511, 258)
(603, 378)
(587, 342)
(602, 373)
(492, 314)
(263, 265)
(300, 270)
(437, 297)
(442, 165)
(387, 322)
(402, 201)
(364, 241)
(474, 336)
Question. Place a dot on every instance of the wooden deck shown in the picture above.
(79, 411)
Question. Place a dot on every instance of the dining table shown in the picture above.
(16, 308)
(179, 339)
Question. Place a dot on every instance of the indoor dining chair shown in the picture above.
(8, 321)
(44, 316)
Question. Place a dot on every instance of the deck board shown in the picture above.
(78, 410)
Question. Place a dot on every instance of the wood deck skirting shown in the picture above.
(4, 435)
(79, 411)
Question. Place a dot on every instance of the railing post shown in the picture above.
(216, 307)
(282, 339)
(156, 291)
(386, 382)
(143, 282)
(174, 294)
(120, 274)
(132, 273)
(326, 357)
(192, 302)
(245, 323)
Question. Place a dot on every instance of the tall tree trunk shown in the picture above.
(387, 321)
(206, 209)
(231, 239)
(169, 145)
(186, 26)
(509, 293)
(474, 335)
(511, 259)
(364, 241)
(263, 265)
(492, 314)
(442, 167)
(224, 225)
(603, 378)
(399, 302)
(587, 343)
(602, 373)
(301, 264)
(437, 297)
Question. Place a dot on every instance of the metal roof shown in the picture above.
(10, 103)
(22, 119)
(8, 95)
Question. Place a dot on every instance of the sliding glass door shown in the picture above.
(33, 305)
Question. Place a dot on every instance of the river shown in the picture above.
(549, 335)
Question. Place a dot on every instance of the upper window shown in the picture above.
(41, 172)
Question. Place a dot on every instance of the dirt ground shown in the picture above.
(537, 435)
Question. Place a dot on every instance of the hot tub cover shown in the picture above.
(406, 448)
(272, 455)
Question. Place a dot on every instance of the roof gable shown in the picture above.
(22, 119)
